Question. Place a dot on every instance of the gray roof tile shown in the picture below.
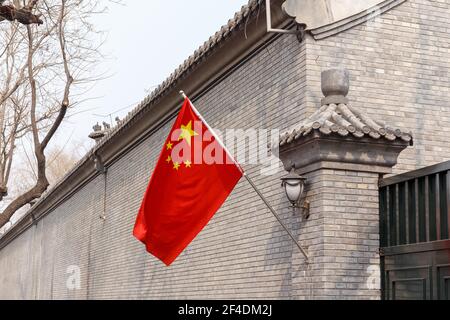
(344, 120)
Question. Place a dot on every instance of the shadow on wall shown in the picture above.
(279, 248)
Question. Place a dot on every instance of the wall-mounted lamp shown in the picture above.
(294, 186)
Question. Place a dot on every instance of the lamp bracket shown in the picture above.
(303, 206)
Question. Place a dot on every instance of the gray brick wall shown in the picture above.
(342, 236)
(399, 74)
(242, 253)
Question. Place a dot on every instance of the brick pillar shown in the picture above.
(342, 236)
(342, 153)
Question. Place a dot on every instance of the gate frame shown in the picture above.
(428, 204)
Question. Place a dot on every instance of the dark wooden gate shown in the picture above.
(414, 234)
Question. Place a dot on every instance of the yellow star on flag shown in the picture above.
(169, 146)
(169, 158)
(187, 133)
(188, 164)
(176, 166)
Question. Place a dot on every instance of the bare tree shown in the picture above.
(60, 160)
(43, 64)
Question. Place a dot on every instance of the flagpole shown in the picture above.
(272, 210)
(276, 216)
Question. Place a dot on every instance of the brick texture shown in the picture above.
(342, 236)
(399, 71)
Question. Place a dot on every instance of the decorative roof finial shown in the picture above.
(97, 134)
(337, 117)
(97, 128)
(335, 86)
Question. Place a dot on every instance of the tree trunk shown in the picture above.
(33, 194)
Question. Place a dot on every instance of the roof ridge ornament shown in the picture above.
(337, 116)
(341, 133)
(335, 86)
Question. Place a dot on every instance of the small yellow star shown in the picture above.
(169, 158)
(176, 166)
(188, 164)
(169, 146)
(187, 133)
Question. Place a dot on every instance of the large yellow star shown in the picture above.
(187, 133)
(169, 146)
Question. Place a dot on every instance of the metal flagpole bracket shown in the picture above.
(300, 32)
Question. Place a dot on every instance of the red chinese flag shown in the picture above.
(192, 179)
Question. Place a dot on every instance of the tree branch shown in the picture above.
(44, 67)
(39, 147)
(22, 15)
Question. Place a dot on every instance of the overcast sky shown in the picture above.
(146, 41)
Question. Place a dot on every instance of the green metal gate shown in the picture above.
(414, 234)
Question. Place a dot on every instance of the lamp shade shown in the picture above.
(294, 186)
